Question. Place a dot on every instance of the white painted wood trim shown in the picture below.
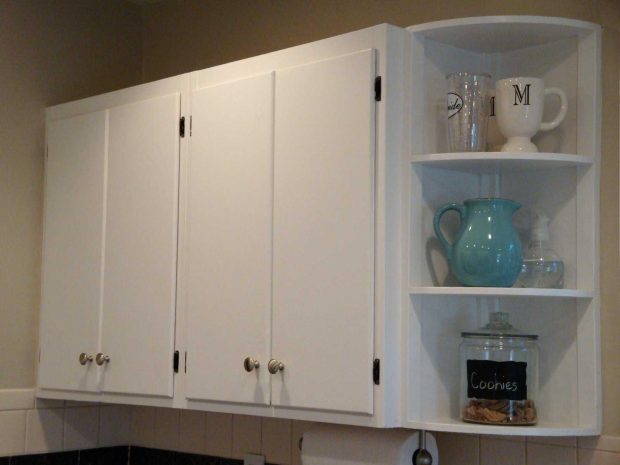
(605, 442)
(16, 399)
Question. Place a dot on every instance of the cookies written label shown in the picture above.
(487, 379)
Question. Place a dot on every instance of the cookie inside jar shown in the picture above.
(499, 374)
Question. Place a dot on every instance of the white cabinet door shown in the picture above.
(324, 234)
(140, 247)
(72, 248)
(227, 246)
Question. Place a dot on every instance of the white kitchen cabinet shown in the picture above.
(228, 239)
(323, 241)
(139, 279)
(72, 248)
(306, 193)
(319, 323)
(278, 238)
(110, 234)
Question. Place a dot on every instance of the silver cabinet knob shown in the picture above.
(85, 358)
(274, 366)
(100, 359)
(250, 364)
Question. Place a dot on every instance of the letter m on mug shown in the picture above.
(520, 97)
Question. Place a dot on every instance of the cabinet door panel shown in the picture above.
(228, 241)
(72, 248)
(323, 234)
(141, 241)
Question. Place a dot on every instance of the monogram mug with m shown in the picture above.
(519, 105)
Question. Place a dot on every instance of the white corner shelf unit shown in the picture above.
(562, 179)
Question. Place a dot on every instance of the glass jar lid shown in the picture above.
(498, 328)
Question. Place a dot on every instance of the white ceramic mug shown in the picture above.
(519, 105)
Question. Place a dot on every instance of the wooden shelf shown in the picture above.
(489, 162)
(501, 292)
(541, 429)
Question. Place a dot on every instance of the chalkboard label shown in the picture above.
(496, 380)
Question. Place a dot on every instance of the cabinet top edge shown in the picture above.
(126, 95)
(576, 24)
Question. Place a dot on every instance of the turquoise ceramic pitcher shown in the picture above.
(486, 250)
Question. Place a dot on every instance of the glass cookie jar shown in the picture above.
(499, 374)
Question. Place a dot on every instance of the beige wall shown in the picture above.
(185, 35)
(50, 52)
(55, 51)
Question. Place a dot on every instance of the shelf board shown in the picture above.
(504, 161)
(501, 291)
(541, 429)
(497, 34)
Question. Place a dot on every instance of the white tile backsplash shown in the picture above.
(545, 454)
(570, 441)
(57, 425)
(246, 436)
(458, 449)
(218, 434)
(495, 451)
(44, 430)
(12, 432)
(114, 425)
(192, 431)
(48, 403)
(81, 428)
(167, 428)
(17, 399)
(597, 457)
(276, 440)
(142, 427)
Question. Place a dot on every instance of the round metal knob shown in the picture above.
(85, 358)
(100, 359)
(250, 364)
(274, 366)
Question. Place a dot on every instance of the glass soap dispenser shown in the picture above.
(542, 266)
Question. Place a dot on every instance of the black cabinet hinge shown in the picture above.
(182, 126)
(378, 88)
(376, 371)
(175, 361)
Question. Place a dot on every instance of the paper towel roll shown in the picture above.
(350, 445)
